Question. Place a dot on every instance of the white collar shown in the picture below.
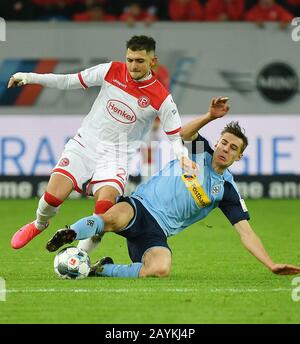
(148, 77)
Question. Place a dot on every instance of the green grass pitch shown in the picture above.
(214, 279)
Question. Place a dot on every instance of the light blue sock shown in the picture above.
(87, 227)
(117, 270)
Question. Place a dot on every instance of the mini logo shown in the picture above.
(143, 101)
(90, 223)
(277, 82)
(120, 111)
(64, 162)
(215, 189)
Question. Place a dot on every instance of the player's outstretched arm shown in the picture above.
(217, 109)
(60, 81)
(254, 245)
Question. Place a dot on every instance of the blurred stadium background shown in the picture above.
(205, 49)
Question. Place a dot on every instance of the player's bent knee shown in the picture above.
(110, 222)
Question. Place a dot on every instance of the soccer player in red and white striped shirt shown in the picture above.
(130, 99)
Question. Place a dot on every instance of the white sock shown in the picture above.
(44, 212)
(90, 244)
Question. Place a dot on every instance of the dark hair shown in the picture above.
(235, 129)
(141, 43)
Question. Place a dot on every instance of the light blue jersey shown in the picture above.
(177, 200)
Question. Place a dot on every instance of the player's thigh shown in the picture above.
(118, 217)
(107, 192)
(157, 261)
(108, 172)
(75, 165)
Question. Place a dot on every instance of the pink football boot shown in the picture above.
(24, 235)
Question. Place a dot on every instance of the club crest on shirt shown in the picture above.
(215, 189)
(143, 101)
(64, 162)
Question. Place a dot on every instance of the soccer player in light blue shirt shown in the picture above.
(171, 201)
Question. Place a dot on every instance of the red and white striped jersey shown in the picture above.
(125, 108)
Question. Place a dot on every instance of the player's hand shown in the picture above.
(18, 79)
(285, 269)
(218, 107)
(189, 166)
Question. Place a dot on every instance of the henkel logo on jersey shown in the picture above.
(120, 111)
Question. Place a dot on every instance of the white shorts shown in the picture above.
(90, 169)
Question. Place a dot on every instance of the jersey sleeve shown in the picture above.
(199, 146)
(169, 117)
(232, 205)
(171, 124)
(93, 76)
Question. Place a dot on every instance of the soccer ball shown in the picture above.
(72, 263)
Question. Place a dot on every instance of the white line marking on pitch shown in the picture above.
(149, 290)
